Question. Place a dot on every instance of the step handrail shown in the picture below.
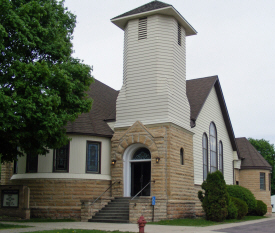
(141, 190)
(105, 191)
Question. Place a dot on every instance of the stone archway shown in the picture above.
(131, 169)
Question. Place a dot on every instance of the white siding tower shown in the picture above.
(154, 72)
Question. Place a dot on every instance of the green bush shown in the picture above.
(260, 209)
(232, 210)
(241, 206)
(244, 194)
(215, 198)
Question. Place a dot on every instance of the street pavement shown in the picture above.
(266, 225)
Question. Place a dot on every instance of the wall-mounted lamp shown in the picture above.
(113, 162)
(157, 159)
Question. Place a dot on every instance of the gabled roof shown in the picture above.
(104, 105)
(251, 158)
(154, 7)
(197, 91)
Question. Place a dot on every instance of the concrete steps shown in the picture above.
(117, 211)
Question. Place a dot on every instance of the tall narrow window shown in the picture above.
(269, 182)
(15, 169)
(32, 163)
(221, 157)
(179, 34)
(142, 28)
(205, 155)
(181, 156)
(213, 148)
(262, 181)
(93, 157)
(61, 159)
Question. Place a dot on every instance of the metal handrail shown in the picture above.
(105, 191)
(141, 190)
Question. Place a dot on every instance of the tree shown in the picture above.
(42, 86)
(215, 198)
(267, 150)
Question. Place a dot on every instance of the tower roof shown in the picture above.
(154, 7)
(251, 158)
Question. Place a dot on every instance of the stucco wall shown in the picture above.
(77, 161)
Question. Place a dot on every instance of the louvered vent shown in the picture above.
(142, 28)
(179, 34)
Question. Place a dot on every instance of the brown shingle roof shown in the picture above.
(144, 8)
(197, 91)
(251, 158)
(104, 105)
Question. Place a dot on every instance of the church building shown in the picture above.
(159, 136)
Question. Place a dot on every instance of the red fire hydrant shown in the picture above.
(141, 224)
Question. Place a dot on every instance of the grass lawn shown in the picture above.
(78, 231)
(199, 222)
(10, 226)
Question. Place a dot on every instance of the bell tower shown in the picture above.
(154, 69)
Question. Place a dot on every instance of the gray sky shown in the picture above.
(235, 41)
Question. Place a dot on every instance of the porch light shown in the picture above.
(157, 159)
(113, 162)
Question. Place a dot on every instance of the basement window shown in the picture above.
(179, 34)
(142, 28)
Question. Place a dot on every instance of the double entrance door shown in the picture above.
(140, 177)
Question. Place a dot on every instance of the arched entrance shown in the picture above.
(137, 170)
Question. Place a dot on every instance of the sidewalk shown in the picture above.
(134, 228)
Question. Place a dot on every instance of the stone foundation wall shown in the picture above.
(143, 206)
(89, 209)
(6, 173)
(198, 207)
(250, 179)
(180, 178)
(57, 198)
(179, 209)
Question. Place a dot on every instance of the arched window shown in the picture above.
(221, 157)
(205, 155)
(181, 156)
(142, 153)
(213, 148)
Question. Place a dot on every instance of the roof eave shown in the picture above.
(170, 11)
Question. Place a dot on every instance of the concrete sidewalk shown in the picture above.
(148, 229)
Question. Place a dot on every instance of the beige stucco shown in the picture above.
(77, 161)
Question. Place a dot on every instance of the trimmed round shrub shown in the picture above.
(241, 206)
(215, 198)
(244, 194)
(232, 210)
(260, 209)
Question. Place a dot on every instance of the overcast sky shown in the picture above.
(235, 40)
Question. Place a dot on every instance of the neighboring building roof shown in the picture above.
(251, 158)
(104, 105)
(197, 91)
(154, 7)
